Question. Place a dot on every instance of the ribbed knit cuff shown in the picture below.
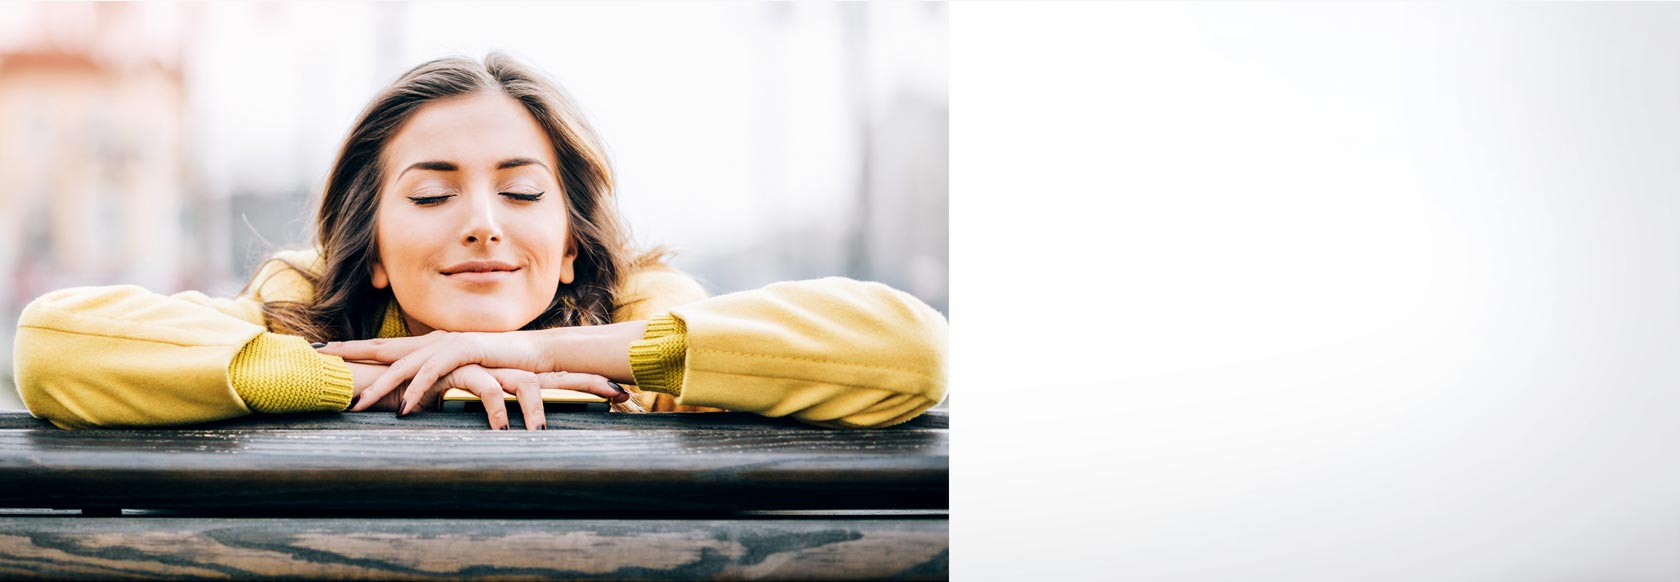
(657, 360)
(280, 373)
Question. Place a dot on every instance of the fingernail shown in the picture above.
(502, 428)
(354, 400)
(615, 386)
(543, 426)
(402, 405)
(318, 345)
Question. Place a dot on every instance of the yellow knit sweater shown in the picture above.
(833, 352)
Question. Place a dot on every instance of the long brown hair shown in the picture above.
(346, 305)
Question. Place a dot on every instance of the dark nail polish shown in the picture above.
(402, 405)
(542, 427)
(615, 386)
(354, 400)
(502, 428)
(318, 345)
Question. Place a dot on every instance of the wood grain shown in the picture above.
(930, 420)
(434, 549)
(474, 470)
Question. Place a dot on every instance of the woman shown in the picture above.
(467, 238)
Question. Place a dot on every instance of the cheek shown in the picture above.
(403, 242)
(542, 243)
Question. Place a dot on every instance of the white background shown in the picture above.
(1316, 291)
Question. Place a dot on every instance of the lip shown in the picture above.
(480, 271)
(479, 266)
(481, 277)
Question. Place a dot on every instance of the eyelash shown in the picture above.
(431, 200)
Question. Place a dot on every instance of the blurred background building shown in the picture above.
(174, 145)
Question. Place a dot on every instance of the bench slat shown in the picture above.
(431, 549)
(936, 419)
(441, 471)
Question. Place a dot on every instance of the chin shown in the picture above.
(485, 322)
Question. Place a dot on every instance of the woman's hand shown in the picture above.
(594, 354)
(400, 354)
(489, 384)
(519, 350)
(363, 375)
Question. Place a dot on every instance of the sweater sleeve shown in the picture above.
(650, 294)
(832, 352)
(123, 356)
(657, 361)
(276, 373)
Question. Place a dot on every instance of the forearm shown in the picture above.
(603, 350)
(834, 352)
(122, 356)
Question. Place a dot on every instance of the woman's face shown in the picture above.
(472, 221)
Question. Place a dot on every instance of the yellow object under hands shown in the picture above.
(833, 352)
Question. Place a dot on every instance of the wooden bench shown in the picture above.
(437, 496)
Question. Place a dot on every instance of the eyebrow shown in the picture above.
(441, 166)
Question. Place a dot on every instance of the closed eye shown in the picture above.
(430, 200)
(524, 197)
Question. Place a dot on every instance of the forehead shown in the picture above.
(474, 132)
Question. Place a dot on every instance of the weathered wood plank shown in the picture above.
(439, 471)
(745, 514)
(931, 420)
(433, 549)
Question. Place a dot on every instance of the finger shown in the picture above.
(383, 350)
(395, 374)
(476, 380)
(623, 395)
(430, 397)
(429, 373)
(588, 383)
(423, 367)
(526, 387)
(531, 402)
(437, 360)
(391, 379)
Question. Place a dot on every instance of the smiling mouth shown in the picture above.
(481, 276)
(469, 271)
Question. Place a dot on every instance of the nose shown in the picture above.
(482, 226)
